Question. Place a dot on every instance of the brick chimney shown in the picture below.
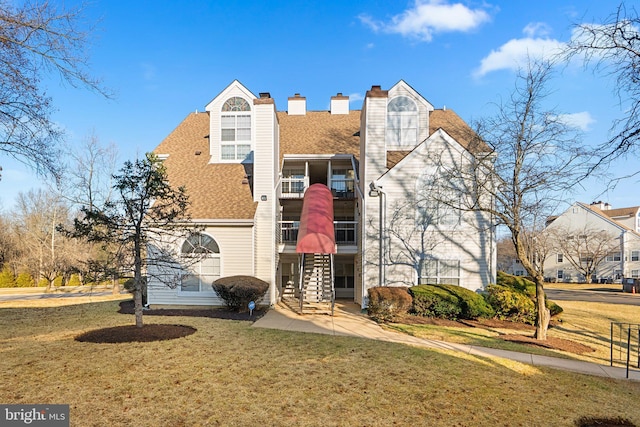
(339, 104)
(297, 105)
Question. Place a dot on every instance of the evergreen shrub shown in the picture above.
(25, 280)
(449, 302)
(74, 280)
(7, 278)
(238, 291)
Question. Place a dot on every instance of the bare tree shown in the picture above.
(413, 236)
(537, 160)
(613, 47)
(583, 248)
(88, 176)
(506, 253)
(44, 251)
(37, 38)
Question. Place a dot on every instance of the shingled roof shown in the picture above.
(220, 190)
(215, 190)
(320, 132)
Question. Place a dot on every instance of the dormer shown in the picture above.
(407, 118)
(232, 125)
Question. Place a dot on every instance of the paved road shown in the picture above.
(609, 296)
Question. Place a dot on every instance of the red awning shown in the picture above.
(316, 235)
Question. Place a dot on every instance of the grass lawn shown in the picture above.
(229, 373)
(588, 323)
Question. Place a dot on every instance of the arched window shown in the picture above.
(201, 263)
(402, 123)
(235, 129)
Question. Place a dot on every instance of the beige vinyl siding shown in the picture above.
(235, 244)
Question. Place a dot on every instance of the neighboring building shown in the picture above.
(622, 224)
(247, 166)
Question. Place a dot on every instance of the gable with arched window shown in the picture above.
(402, 123)
(201, 260)
(235, 129)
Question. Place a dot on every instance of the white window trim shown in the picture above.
(235, 143)
(395, 144)
(208, 289)
(438, 276)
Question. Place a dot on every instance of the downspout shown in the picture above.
(376, 191)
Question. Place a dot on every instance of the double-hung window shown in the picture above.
(235, 130)
(635, 255)
(440, 271)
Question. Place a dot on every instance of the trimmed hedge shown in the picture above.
(449, 302)
(513, 298)
(386, 303)
(511, 304)
(238, 291)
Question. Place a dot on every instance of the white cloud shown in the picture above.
(538, 29)
(582, 120)
(355, 97)
(515, 54)
(428, 17)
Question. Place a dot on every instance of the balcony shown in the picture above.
(345, 232)
(294, 188)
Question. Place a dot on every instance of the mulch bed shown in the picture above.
(493, 324)
(161, 332)
(132, 333)
(127, 307)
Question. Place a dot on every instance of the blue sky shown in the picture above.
(165, 59)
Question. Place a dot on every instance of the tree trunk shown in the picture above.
(137, 299)
(137, 282)
(544, 316)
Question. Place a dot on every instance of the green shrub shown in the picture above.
(518, 283)
(58, 281)
(507, 306)
(7, 278)
(43, 282)
(511, 304)
(433, 301)
(238, 291)
(25, 280)
(386, 303)
(449, 302)
(74, 280)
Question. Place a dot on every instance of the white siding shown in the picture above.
(235, 243)
(578, 217)
(265, 173)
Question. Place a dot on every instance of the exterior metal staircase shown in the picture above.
(317, 294)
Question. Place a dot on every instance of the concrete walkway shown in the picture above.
(348, 321)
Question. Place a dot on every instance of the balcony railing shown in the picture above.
(294, 188)
(345, 232)
(343, 188)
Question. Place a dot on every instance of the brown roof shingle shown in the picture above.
(215, 190)
(458, 129)
(320, 132)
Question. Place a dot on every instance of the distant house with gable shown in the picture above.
(247, 168)
(622, 224)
